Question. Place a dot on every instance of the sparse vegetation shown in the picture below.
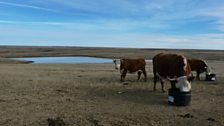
(91, 94)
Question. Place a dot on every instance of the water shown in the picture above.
(67, 60)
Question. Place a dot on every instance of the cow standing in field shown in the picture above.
(199, 66)
(173, 67)
(130, 66)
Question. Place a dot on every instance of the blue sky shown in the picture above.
(188, 24)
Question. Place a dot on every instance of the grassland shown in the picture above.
(91, 94)
(29, 51)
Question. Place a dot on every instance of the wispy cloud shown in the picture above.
(99, 26)
(120, 23)
(31, 22)
(218, 15)
(30, 36)
(28, 6)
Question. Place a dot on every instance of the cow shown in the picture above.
(173, 67)
(130, 66)
(199, 66)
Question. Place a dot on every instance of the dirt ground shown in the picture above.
(92, 95)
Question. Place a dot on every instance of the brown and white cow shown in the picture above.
(173, 67)
(130, 66)
(199, 66)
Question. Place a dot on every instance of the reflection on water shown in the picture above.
(67, 60)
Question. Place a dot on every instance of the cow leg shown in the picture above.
(123, 76)
(198, 75)
(155, 80)
(144, 72)
(139, 74)
(162, 85)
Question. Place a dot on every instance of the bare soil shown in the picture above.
(91, 94)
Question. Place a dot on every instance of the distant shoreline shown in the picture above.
(103, 52)
(27, 46)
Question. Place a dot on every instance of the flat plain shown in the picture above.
(91, 94)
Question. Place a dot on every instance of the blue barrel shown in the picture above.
(179, 98)
(210, 77)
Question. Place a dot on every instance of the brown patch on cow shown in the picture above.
(132, 66)
(199, 66)
(169, 66)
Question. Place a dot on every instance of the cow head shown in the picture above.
(183, 84)
(183, 81)
(207, 70)
(206, 67)
(116, 63)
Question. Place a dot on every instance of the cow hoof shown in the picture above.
(125, 83)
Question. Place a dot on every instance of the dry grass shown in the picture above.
(91, 94)
(29, 51)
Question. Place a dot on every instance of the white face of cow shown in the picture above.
(208, 70)
(183, 84)
(116, 63)
(185, 63)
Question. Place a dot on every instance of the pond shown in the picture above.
(67, 60)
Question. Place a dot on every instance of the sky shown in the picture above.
(175, 24)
